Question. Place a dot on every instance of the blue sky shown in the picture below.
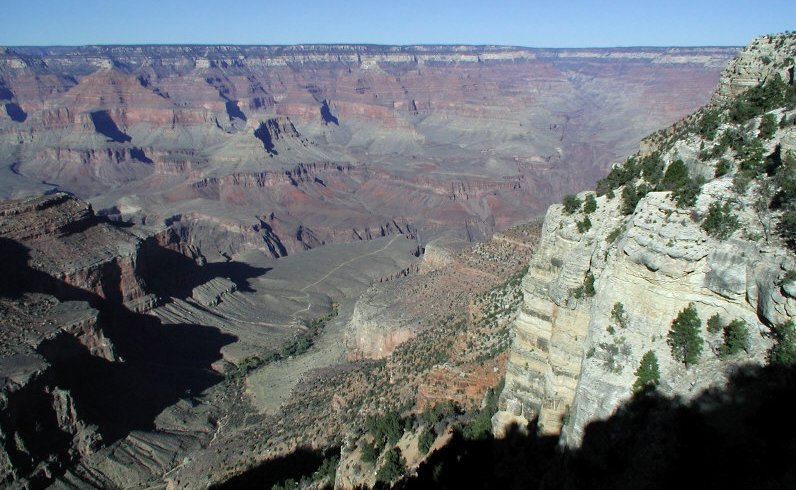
(552, 23)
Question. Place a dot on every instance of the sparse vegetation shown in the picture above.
(783, 352)
(709, 123)
(770, 95)
(647, 375)
(584, 225)
(619, 315)
(571, 204)
(480, 426)
(425, 441)
(723, 167)
(611, 238)
(393, 467)
(736, 338)
(589, 204)
(714, 323)
(297, 346)
(684, 339)
(768, 126)
(720, 222)
(613, 354)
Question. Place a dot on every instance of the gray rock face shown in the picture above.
(763, 58)
(574, 360)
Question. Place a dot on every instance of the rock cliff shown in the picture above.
(606, 284)
(80, 366)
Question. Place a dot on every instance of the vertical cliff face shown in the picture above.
(598, 297)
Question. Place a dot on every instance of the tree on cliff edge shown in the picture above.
(684, 338)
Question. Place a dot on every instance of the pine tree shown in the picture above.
(684, 339)
(736, 338)
(647, 374)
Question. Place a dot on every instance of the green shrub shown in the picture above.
(676, 176)
(686, 196)
(751, 157)
(393, 468)
(723, 167)
(740, 182)
(631, 195)
(783, 352)
(571, 204)
(385, 429)
(787, 228)
(440, 412)
(757, 100)
(720, 222)
(683, 338)
(709, 123)
(425, 441)
(589, 204)
(327, 470)
(480, 426)
(736, 338)
(618, 315)
(588, 285)
(584, 225)
(647, 375)
(369, 452)
(768, 126)
(714, 323)
(289, 484)
(652, 168)
(618, 176)
(611, 238)
(685, 190)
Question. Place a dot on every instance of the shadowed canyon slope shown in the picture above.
(293, 147)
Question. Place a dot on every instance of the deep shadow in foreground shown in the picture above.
(156, 365)
(300, 463)
(743, 436)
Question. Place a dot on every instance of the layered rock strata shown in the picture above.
(598, 297)
(292, 147)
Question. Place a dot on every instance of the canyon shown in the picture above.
(298, 146)
(224, 263)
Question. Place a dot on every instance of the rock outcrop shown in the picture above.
(80, 366)
(598, 296)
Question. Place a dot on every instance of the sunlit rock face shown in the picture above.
(573, 361)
